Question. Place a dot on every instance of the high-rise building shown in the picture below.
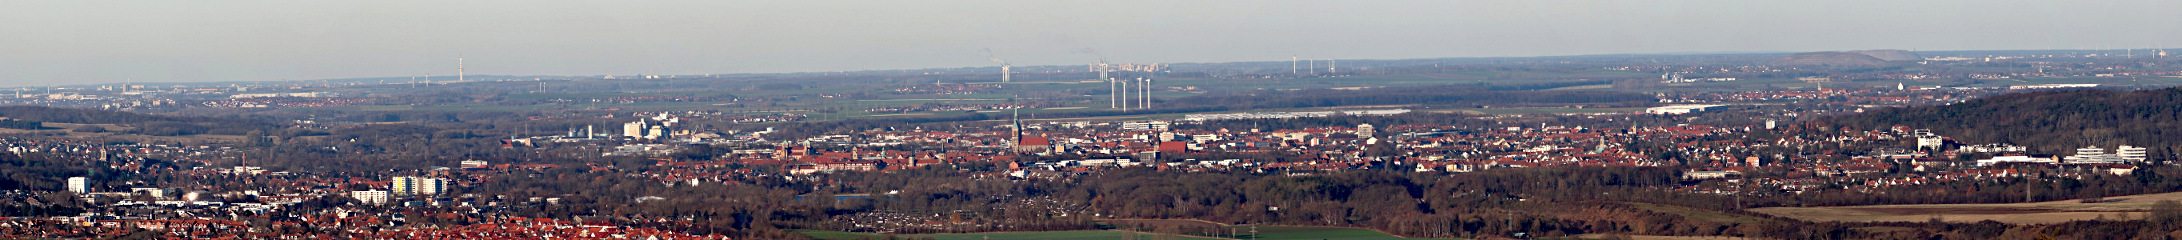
(79, 184)
(416, 186)
(431, 186)
(403, 186)
(633, 129)
(1365, 130)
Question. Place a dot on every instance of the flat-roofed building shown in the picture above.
(79, 185)
(1681, 109)
(2133, 154)
(370, 196)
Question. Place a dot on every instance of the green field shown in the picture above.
(836, 235)
(1243, 232)
(1329, 233)
(1542, 110)
(2050, 212)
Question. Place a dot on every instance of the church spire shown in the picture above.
(1018, 126)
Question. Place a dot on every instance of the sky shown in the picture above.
(83, 42)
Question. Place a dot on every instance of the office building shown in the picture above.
(2133, 154)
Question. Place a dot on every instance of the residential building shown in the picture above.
(370, 196)
(79, 185)
(415, 186)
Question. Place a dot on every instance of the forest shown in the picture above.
(2055, 122)
(13, 124)
(146, 124)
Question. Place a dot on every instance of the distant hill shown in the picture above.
(2048, 122)
(1890, 55)
(1834, 59)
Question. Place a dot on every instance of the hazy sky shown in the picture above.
(74, 42)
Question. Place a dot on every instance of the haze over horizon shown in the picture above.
(71, 42)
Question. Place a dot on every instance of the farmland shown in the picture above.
(2114, 208)
(1197, 231)
(1078, 234)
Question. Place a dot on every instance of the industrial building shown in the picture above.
(1681, 109)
